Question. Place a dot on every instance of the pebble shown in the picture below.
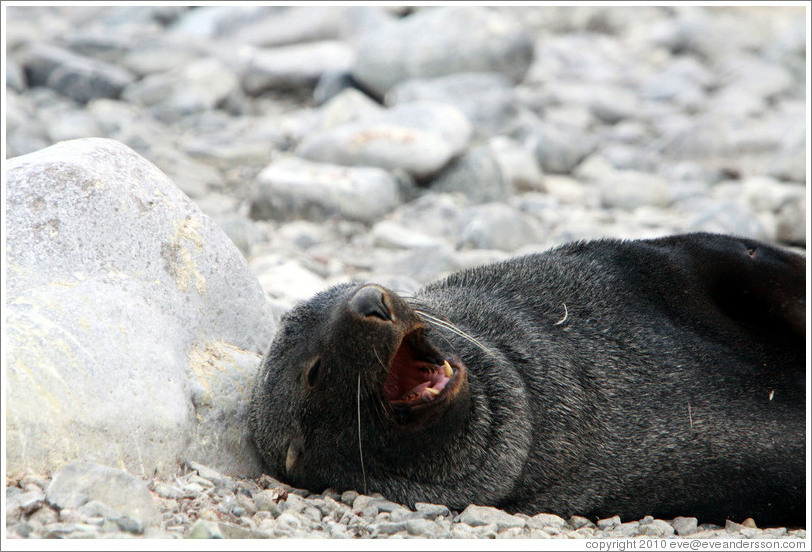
(77, 77)
(477, 175)
(293, 187)
(419, 138)
(486, 515)
(496, 226)
(487, 99)
(559, 149)
(685, 526)
(291, 67)
(337, 143)
(431, 43)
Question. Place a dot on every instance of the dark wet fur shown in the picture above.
(674, 386)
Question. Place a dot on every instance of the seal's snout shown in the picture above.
(370, 301)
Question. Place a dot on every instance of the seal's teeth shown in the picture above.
(448, 370)
(433, 391)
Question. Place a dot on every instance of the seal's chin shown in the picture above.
(420, 376)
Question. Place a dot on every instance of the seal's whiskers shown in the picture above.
(452, 328)
(360, 449)
(379, 360)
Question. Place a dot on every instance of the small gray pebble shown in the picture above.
(608, 523)
(348, 497)
(389, 527)
(576, 522)
(203, 529)
(131, 525)
(419, 527)
(431, 511)
(685, 525)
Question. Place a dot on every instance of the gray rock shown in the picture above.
(79, 483)
(726, 217)
(70, 124)
(217, 21)
(423, 264)
(207, 473)
(477, 175)
(561, 149)
(330, 84)
(393, 235)
(608, 523)
(112, 279)
(287, 280)
(442, 41)
(108, 42)
(268, 501)
(203, 529)
(612, 104)
(294, 187)
(632, 189)
(434, 214)
(95, 508)
(420, 527)
(496, 226)
(579, 522)
(630, 157)
(792, 223)
(748, 72)
(789, 163)
(15, 77)
(656, 528)
(420, 138)
(131, 525)
(684, 526)
(194, 88)
(487, 99)
(431, 511)
(389, 528)
(291, 67)
(736, 103)
(19, 503)
(678, 84)
(243, 232)
(293, 25)
(25, 132)
(628, 529)
(518, 165)
(348, 497)
(163, 54)
(476, 516)
(77, 77)
(546, 521)
(348, 106)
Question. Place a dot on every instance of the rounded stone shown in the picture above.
(442, 41)
(114, 277)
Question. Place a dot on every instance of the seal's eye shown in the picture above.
(312, 375)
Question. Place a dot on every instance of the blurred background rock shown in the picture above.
(397, 144)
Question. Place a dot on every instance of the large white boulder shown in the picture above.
(134, 325)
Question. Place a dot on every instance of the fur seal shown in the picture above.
(661, 377)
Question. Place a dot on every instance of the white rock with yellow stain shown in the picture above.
(134, 325)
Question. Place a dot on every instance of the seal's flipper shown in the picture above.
(738, 287)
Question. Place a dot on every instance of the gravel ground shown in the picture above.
(202, 503)
(570, 123)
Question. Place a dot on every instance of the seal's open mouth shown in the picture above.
(418, 375)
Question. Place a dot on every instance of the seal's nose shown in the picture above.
(368, 301)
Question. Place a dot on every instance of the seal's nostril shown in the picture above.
(368, 301)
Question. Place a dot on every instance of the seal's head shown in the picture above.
(355, 376)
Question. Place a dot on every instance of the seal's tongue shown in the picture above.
(412, 378)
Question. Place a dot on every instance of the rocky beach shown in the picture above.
(228, 162)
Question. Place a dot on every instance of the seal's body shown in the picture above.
(657, 377)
